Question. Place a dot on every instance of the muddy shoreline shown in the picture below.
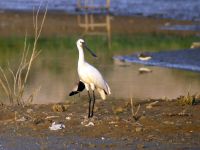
(16, 23)
(159, 124)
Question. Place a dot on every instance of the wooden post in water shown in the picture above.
(87, 18)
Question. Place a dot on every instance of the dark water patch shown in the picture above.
(188, 59)
(182, 27)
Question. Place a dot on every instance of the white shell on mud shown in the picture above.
(55, 126)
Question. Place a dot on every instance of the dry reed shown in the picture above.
(135, 113)
(14, 87)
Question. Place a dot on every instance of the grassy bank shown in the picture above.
(121, 44)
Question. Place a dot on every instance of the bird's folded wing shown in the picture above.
(77, 89)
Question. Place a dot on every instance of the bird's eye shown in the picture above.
(82, 43)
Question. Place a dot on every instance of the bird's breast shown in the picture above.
(83, 74)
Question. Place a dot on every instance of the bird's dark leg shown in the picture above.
(89, 104)
(93, 104)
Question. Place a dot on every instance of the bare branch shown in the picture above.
(18, 81)
(35, 42)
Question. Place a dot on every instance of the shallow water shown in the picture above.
(173, 9)
(187, 59)
(194, 27)
(56, 75)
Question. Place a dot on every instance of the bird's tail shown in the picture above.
(108, 88)
(104, 92)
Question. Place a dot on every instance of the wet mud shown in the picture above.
(159, 124)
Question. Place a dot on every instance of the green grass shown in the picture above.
(152, 42)
(121, 44)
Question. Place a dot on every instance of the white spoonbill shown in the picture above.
(90, 78)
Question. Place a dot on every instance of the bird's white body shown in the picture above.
(90, 76)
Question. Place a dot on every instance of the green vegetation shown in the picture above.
(140, 41)
(121, 44)
(152, 42)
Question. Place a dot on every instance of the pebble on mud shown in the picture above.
(68, 118)
(38, 121)
(29, 110)
(139, 129)
(140, 146)
(169, 122)
(117, 110)
(21, 119)
(59, 107)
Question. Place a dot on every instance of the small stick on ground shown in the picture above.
(135, 114)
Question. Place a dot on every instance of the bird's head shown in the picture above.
(81, 43)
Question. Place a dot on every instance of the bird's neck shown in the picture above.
(81, 55)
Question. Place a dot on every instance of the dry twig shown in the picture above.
(135, 113)
(14, 88)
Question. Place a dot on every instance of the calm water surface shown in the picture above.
(173, 9)
(56, 73)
